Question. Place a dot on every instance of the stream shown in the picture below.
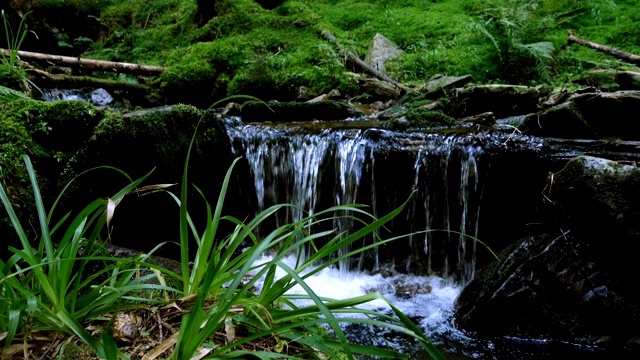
(461, 183)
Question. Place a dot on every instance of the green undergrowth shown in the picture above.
(50, 287)
(251, 50)
(271, 53)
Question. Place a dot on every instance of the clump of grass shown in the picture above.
(47, 286)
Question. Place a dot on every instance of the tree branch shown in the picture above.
(89, 64)
(623, 55)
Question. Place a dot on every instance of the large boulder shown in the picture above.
(440, 85)
(591, 115)
(158, 140)
(577, 285)
(501, 99)
(380, 50)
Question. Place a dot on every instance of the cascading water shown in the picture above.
(444, 174)
(336, 167)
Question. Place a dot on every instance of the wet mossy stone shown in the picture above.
(420, 119)
(256, 111)
(49, 133)
(158, 139)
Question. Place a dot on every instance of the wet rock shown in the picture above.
(303, 94)
(380, 90)
(380, 50)
(589, 115)
(502, 100)
(329, 110)
(574, 285)
(602, 201)
(549, 286)
(100, 97)
(439, 83)
(564, 121)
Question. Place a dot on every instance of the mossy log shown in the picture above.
(623, 55)
(46, 80)
(353, 57)
(89, 64)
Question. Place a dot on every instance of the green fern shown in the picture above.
(514, 29)
(7, 94)
(543, 53)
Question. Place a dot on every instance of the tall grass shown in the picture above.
(14, 42)
(48, 285)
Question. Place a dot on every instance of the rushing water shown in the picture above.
(336, 167)
(442, 173)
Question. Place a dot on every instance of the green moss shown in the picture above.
(270, 53)
(11, 77)
(49, 133)
(420, 119)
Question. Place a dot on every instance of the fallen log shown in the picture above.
(353, 57)
(89, 64)
(623, 55)
(44, 79)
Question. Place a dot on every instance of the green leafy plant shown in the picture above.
(48, 285)
(513, 27)
(14, 42)
(51, 285)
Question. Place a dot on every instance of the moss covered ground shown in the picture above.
(247, 49)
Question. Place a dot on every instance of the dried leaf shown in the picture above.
(203, 352)
(111, 208)
(160, 349)
(230, 331)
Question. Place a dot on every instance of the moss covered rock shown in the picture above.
(49, 133)
(157, 141)
(420, 119)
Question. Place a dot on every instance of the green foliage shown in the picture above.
(514, 28)
(420, 119)
(14, 40)
(52, 286)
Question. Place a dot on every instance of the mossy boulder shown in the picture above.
(589, 115)
(602, 201)
(157, 141)
(502, 99)
(49, 133)
(420, 119)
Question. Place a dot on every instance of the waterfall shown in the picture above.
(318, 169)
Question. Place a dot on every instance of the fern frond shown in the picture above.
(10, 94)
(482, 28)
(542, 52)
